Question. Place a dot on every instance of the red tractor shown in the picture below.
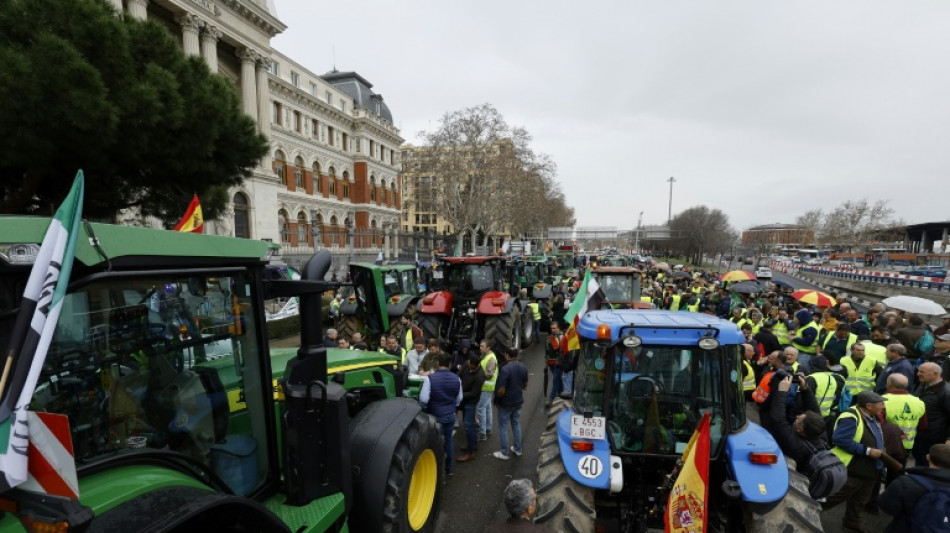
(476, 302)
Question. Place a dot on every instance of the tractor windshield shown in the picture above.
(616, 288)
(532, 274)
(163, 362)
(410, 282)
(654, 396)
(391, 284)
(471, 278)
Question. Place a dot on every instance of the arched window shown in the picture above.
(279, 163)
(332, 180)
(283, 226)
(242, 217)
(346, 184)
(372, 188)
(392, 193)
(298, 172)
(324, 238)
(375, 237)
(301, 228)
(317, 185)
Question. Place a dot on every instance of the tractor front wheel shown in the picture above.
(413, 488)
(563, 504)
(504, 330)
(797, 511)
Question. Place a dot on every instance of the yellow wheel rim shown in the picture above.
(425, 476)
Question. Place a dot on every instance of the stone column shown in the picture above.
(209, 47)
(117, 5)
(388, 253)
(137, 9)
(263, 65)
(248, 84)
(190, 27)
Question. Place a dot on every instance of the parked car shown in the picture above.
(929, 271)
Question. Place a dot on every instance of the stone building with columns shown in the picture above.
(330, 179)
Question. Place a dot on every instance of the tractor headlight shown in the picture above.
(21, 253)
(632, 341)
(708, 343)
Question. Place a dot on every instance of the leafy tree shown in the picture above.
(115, 96)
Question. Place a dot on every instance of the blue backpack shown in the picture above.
(845, 401)
(925, 345)
(932, 511)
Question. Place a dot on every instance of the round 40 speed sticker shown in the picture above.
(590, 466)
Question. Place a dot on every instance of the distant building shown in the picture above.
(778, 236)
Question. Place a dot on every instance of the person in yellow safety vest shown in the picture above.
(672, 301)
(697, 288)
(906, 412)
(806, 337)
(859, 442)
(838, 344)
(860, 372)
(694, 303)
(335, 306)
(483, 411)
(826, 385)
(748, 372)
(781, 328)
(876, 352)
(754, 319)
(535, 308)
(408, 331)
(647, 296)
(394, 349)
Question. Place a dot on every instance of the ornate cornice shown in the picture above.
(308, 101)
(256, 15)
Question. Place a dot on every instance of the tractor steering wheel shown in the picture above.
(643, 391)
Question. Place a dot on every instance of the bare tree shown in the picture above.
(853, 224)
(700, 231)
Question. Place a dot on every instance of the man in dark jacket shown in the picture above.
(901, 496)
(935, 393)
(472, 380)
(512, 382)
(461, 356)
(441, 393)
(765, 341)
(910, 333)
(808, 427)
(897, 362)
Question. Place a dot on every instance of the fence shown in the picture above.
(885, 278)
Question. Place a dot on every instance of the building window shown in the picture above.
(332, 181)
(346, 190)
(342, 106)
(345, 141)
(298, 122)
(298, 172)
(356, 144)
(329, 97)
(313, 88)
(277, 113)
(242, 218)
(316, 177)
(283, 226)
(372, 189)
(275, 68)
(314, 128)
(279, 167)
(294, 78)
(301, 228)
(330, 134)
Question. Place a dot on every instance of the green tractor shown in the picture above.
(183, 419)
(379, 296)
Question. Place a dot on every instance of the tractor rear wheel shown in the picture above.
(349, 324)
(797, 511)
(563, 504)
(413, 488)
(431, 326)
(527, 328)
(504, 330)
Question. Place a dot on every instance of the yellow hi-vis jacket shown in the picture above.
(904, 411)
(489, 385)
(748, 376)
(811, 348)
(860, 376)
(826, 387)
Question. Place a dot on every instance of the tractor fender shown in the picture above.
(439, 302)
(591, 469)
(542, 293)
(397, 304)
(374, 434)
(487, 305)
(190, 509)
(348, 307)
(759, 483)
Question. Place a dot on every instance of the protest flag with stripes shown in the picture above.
(193, 221)
(32, 332)
(687, 506)
(589, 296)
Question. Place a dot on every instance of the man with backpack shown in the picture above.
(920, 501)
(859, 442)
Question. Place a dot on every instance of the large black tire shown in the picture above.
(527, 328)
(563, 504)
(796, 512)
(348, 325)
(431, 326)
(413, 490)
(395, 326)
(504, 330)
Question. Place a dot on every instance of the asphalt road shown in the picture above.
(472, 499)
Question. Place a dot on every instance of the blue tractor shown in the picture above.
(644, 379)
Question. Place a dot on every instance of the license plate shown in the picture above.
(437, 274)
(594, 427)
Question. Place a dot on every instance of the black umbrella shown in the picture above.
(746, 287)
(680, 274)
(783, 284)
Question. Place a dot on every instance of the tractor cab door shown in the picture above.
(370, 296)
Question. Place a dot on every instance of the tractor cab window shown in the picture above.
(532, 275)
(391, 284)
(165, 362)
(472, 278)
(657, 393)
(617, 288)
(409, 281)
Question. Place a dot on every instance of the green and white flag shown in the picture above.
(32, 332)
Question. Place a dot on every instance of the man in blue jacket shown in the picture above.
(440, 396)
(897, 363)
(512, 382)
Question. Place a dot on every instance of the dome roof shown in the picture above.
(361, 91)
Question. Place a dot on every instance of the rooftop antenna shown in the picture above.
(333, 53)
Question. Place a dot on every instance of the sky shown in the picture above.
(762, 109)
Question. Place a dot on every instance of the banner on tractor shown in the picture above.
(686, 508)
(589, 296)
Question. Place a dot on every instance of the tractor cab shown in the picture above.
(620, 285)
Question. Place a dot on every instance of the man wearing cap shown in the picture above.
(935, 393)
(859, 442)
(897, 363)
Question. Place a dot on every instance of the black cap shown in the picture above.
(867, 397)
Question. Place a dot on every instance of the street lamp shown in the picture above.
(669, 216)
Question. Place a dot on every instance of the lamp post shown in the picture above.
(669, 216)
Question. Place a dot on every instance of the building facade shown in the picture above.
(778, 236)
(330, 179)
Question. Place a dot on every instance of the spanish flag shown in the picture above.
(193, 220)
(686, 507)
(589, 296)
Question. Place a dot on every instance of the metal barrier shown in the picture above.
(894, 279)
